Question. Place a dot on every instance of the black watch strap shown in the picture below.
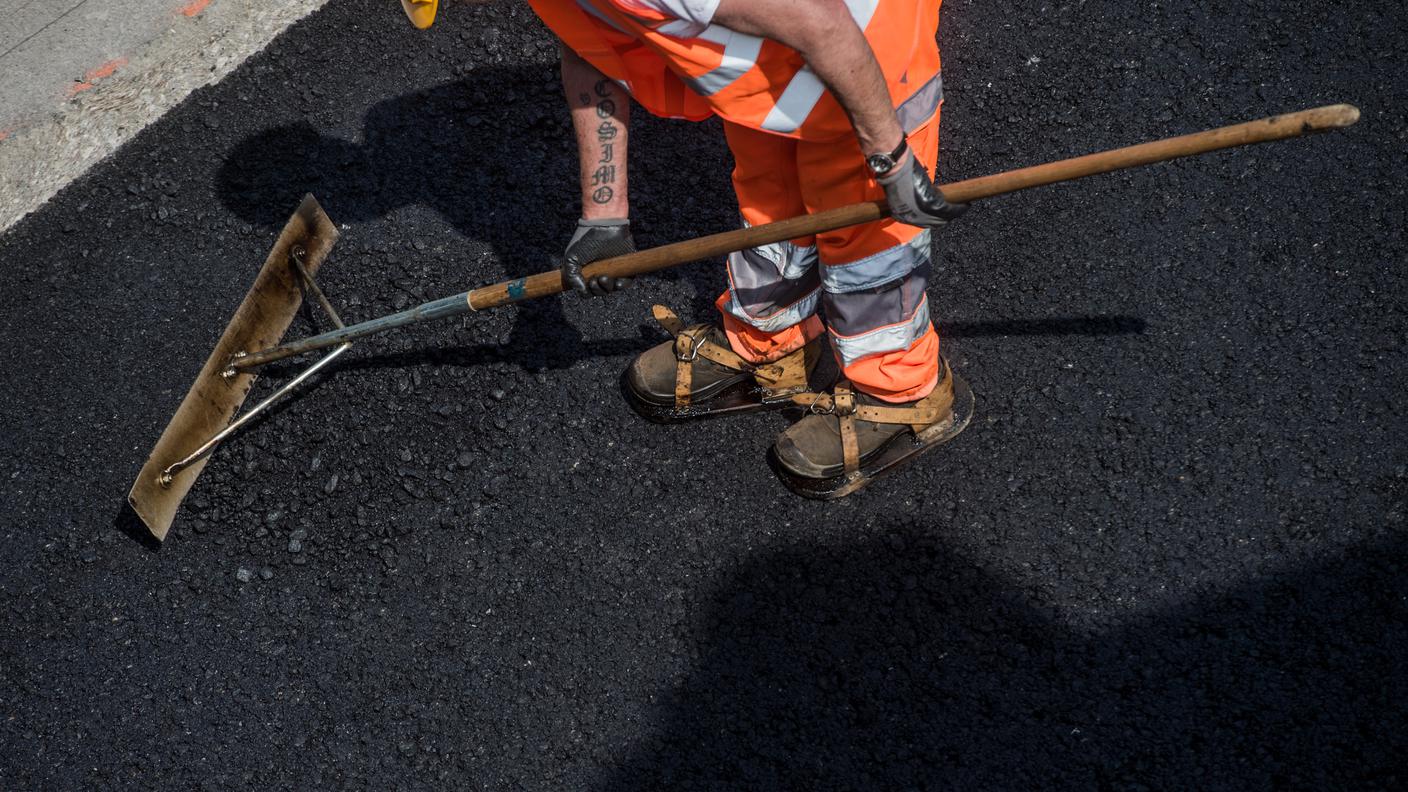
(881, 164)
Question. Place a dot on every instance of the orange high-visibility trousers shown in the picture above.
(869, 280)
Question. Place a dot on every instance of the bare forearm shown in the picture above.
(600, 115)
(828, 39)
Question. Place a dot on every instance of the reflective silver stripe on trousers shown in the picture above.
(802, 93)
(879, 269)
(773, 287)
(779, 321)
(891, 338)
(854, 313)
(921, 105)
(791, 259)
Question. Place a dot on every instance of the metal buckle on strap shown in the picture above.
(816, 398)
(693, 345)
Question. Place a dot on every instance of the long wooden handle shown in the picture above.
(1280, 127)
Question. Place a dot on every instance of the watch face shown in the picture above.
(880, 163)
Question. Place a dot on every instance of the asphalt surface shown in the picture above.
(1169, 553)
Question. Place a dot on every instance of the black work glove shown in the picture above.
(914, 199)
(595, 240)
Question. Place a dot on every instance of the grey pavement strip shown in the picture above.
(23, 24)
(162, 56)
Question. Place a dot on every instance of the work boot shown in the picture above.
(654, 375)
(698, 374)
(849, 437)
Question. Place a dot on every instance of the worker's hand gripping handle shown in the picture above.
(913, 198)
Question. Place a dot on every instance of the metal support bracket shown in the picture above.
(295, 259)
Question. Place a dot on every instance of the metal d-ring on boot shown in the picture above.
(849, 439)
(697, 375)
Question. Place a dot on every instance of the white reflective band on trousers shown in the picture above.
(873, 305)
(780, 320)
(879, 269)
(884, 339)
(877, 304)
(773, 287)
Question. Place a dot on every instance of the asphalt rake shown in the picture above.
(207, 415)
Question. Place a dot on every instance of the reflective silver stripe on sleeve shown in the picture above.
(586, 5)
(885, 339)
(795, 103)
(802, 93)
(681, 28)
(876, 270)
(740, 55)
(922, 105)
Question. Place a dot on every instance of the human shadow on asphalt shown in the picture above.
(899, 664)
(494, 155)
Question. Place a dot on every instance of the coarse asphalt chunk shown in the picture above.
(1168, 554)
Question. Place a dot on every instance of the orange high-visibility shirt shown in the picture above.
(679, 68)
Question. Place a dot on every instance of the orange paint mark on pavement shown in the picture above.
(194, 7)
(93, 75)
(106, 70)
(4, 133)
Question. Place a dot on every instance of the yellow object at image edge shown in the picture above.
(420, 12)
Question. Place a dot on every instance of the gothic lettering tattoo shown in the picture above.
(604, 177)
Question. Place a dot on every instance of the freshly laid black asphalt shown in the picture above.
(1168, 554)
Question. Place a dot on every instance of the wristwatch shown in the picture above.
(881, 164)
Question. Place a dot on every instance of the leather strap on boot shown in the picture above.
(782, 377)
(788, 375)
(841, 402)
(844, 402)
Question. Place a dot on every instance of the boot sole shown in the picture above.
(736, 399)
(900, 449)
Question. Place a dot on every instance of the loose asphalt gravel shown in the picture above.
(1168, 554)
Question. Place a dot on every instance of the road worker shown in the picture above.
(824, 103)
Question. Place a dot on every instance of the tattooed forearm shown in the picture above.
(600, 113)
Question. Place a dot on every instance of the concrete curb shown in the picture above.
(124, 96)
